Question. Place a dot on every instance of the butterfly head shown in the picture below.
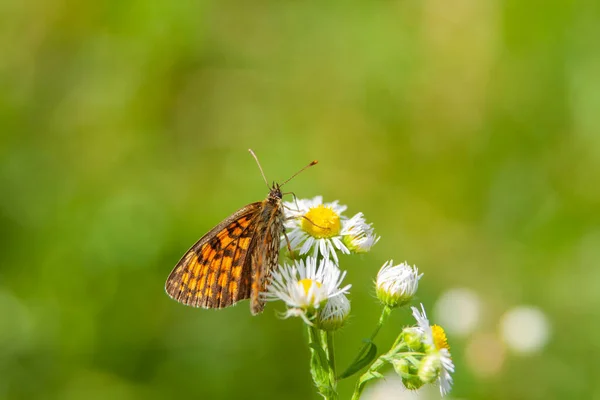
(275, 193)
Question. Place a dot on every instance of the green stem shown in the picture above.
(327, 340)
(372, 373)
(331, 350)
(385, 313)
(320, 363)
(313, 341)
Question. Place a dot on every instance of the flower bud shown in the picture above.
(429, 369)
(397, 284)
(408, 372)
(358, 235)
(333, 316)
(413, 337)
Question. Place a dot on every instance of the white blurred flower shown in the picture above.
(437, 363)
(392, 387)
(525, 329)
(459, 310)
(397, 284)
(305, 286)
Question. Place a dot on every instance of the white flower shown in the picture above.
(447, 367)
(306, 285)
(316, 225)
(423, 324)
(358, 235)
(397, 284)
(438, 362)
(334, 314)
(321, 228)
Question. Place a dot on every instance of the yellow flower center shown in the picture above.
(321, 222)
(439, 337)
(307, 284)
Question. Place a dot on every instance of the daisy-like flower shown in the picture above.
(306, 286)
(437, 363)
(321, 228)
(397, 284)
(358, 235)
(316, 226)
(334, 314)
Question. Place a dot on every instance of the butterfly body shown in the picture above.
(234, 260)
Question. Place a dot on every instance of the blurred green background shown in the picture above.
(467, 131)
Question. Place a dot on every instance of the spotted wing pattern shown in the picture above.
(216, 271)
(233, 261)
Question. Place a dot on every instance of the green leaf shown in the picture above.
(362, 362)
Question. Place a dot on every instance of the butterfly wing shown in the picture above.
(216, 272)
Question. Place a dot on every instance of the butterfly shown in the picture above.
(234, 260)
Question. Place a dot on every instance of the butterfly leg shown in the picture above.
(289, 245)
(295, 200)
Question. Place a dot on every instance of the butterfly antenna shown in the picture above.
(259, 167)
(290, 178)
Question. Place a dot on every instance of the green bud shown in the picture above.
(408, 372)
(412, 383)
(404, 367)
(429, 370)
(413, 338)
(392, 300)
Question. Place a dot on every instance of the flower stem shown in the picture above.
(331, 350)
(372, 373)
(320, 363)
(385, 313)
(327, 340)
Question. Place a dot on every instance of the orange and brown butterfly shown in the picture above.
(234, 260)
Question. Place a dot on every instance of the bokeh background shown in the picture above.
(467, 131)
